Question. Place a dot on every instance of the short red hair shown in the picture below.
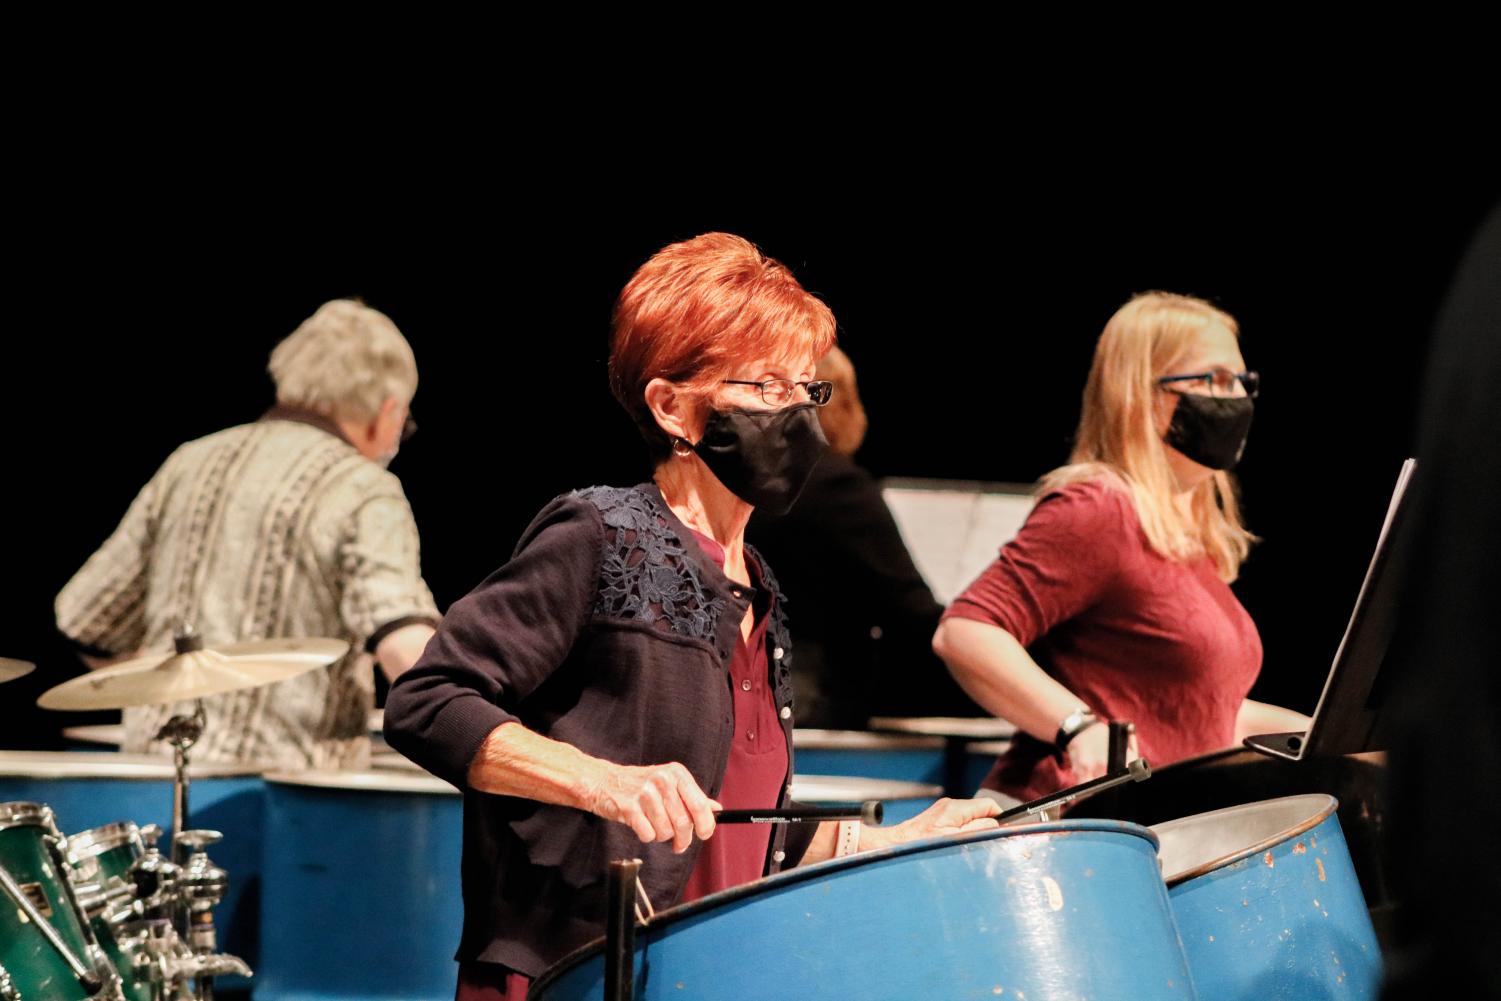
(698, 309)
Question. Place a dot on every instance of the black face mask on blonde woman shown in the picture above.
(1211, 430)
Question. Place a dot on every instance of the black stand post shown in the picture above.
(620, 931)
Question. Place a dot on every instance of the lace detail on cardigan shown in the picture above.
(781, 636)
(645, 574)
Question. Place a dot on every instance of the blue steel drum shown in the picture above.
(901, 757)
(1068, 910)
(1268, 903)
(361, 895)
(903, 800)
(87, 790)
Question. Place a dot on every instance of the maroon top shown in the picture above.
(489, 982)
(1135, 635)
(757, 768)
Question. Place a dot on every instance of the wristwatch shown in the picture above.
(1073, 724)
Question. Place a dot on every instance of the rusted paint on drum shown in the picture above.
(1295, 926)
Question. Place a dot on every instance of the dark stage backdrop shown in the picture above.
(971, 315)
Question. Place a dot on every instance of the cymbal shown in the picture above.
(10, 670)
(163, 678)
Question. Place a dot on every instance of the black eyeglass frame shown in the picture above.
(1249, 380)
(820, 391)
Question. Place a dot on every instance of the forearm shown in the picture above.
(401, 648)
(997, 672)
(657, 802)
(515, 761)
(1261, 717)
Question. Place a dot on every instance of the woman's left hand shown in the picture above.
(946, 816)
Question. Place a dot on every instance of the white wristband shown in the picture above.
(847, 840)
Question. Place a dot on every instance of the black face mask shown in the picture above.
(1211, 430)
(764, 457)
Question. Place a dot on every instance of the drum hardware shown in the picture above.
(181, 732)
(155, 879)
(620, 930)
(1136, 771)
(87, 978)
(869, 812)
(157, 918)
(173, 938)
(8, 990)
(1121, 732)
(203, 886)
(95, 899)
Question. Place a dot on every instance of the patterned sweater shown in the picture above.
(272, 529)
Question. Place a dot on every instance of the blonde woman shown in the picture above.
(1118, 583)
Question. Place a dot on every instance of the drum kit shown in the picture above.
(106, 913)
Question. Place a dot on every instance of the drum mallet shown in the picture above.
(869, 812)
(1136, 771)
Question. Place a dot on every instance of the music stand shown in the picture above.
(1346, 716)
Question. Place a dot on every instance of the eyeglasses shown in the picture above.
(1220, 382)
(408, 427)
(778, 392)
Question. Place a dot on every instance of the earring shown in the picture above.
(681, 447)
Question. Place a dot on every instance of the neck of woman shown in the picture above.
(704, 504)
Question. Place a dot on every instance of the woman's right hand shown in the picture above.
(658, 802)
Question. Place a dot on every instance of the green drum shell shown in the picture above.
(104, 855)
(35, 968)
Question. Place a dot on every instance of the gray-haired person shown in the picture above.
(289, 526)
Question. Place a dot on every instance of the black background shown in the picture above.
(144, 307)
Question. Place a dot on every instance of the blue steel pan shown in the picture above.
(1268, 902)
(1075, 909)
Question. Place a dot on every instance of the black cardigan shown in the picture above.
(611, 630)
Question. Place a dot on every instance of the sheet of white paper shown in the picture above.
(953, 528)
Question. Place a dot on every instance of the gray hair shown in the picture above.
(344, 361)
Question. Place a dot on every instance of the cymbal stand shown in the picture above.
(182, 732)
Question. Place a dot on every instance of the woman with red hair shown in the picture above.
(627, 673)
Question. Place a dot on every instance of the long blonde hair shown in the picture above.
(1118, 440)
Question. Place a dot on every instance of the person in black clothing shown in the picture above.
(1445, 755)
(864, 650)
(602, 694)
